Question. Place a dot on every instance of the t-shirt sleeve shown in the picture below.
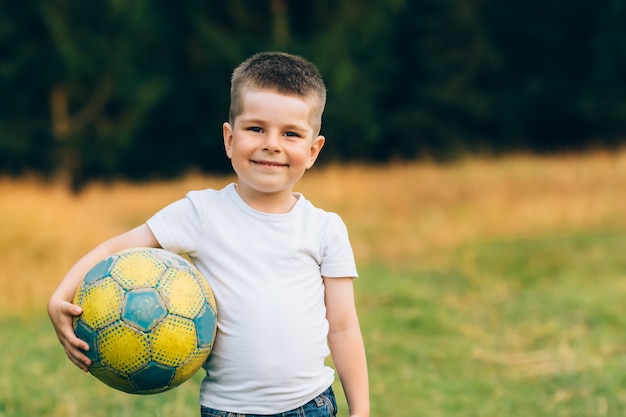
(338, 257)
(177, 226)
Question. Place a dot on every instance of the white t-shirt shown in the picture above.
(266, 273)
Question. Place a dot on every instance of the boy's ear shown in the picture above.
(227, 132)
(314, 151)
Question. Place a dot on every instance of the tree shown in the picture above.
(109, 89)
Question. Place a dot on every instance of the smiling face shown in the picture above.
(271, 144)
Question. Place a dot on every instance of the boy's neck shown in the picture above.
(272, 203)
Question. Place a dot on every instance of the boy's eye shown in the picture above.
(292, 134)
(255, 129)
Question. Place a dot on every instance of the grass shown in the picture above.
(488, 287)
(515, 328)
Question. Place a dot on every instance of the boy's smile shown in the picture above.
(269, 164)
(271, 144)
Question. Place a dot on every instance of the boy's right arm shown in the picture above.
(60, 307)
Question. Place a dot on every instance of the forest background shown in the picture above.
(111, 89)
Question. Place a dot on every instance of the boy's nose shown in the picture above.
(272, 142)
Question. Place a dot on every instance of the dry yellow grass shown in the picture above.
(401, 214)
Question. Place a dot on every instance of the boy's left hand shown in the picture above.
(62, 314)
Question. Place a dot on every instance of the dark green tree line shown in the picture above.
(108, 89)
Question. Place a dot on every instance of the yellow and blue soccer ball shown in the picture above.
(149, 317)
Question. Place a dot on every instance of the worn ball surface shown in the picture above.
(149, 317)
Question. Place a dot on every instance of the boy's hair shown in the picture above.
(287, 74)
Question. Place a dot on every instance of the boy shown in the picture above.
(281, 269)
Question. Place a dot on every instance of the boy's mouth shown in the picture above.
(269, 163)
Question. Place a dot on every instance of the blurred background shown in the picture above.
(111, 89)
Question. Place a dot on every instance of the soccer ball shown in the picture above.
(149, 317)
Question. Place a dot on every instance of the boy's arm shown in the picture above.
(60, 307)
(346, 344)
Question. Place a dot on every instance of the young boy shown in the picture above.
(281, 269)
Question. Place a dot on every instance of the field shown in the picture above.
(489, 287)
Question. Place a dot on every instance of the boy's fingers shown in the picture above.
(61, 316)
(69, 340)
(77, 343)
(71, 309)
(80, 360)
(75, 349)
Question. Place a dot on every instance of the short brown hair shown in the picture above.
(287, 74)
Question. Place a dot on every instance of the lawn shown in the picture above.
(530, 327)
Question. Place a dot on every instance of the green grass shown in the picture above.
(509, 328)
(531, 327)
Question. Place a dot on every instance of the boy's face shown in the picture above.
(271, 143)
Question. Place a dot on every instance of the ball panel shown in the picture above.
(173, 340)
(138, 268)
(206, 326)
(173, 260)
(206, 290)
(153, 378)
(101, 270)
(181, 289)
(143, 308)
(101, 303)
(113, 378)
(124, 348)
(191, 366)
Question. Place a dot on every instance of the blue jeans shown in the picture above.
(324, 405)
